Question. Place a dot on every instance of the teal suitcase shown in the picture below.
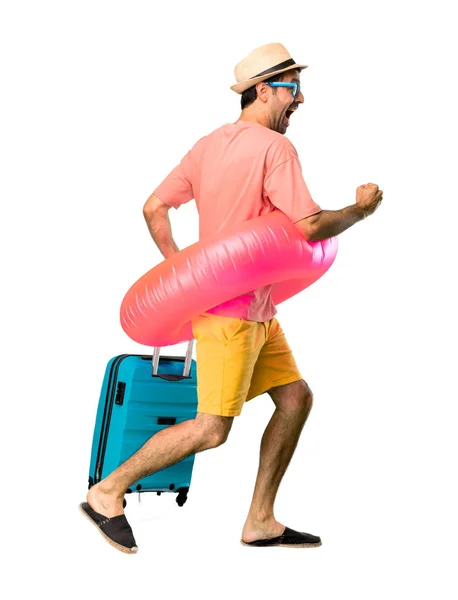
(141, 395)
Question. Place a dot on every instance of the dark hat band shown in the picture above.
(283, 65)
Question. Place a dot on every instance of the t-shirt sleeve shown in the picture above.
(176, 189)
(286, 188)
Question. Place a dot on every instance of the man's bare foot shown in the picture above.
(103, 502)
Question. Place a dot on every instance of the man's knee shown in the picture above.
(212, 429)
(303, 400)
(307, 398)
(294, 397)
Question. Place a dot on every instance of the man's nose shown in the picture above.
(300, 98)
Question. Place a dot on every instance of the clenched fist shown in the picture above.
(368, 198)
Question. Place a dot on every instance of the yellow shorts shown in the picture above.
(238, 360)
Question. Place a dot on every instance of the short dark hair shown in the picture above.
(250, 95)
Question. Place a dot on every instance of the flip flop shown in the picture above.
(288, 539)
(116, 530)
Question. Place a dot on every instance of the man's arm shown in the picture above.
(329, 223)
(156, 215)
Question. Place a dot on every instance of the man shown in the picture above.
(238, 172)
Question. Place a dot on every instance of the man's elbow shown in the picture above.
(309, 228)
(154, 207)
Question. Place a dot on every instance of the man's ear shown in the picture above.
(262, 90)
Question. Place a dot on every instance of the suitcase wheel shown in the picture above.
(182, 496)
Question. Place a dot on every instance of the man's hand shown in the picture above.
(368, 198)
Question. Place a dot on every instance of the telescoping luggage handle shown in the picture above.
(172, 376)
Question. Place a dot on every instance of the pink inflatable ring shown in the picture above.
(158, 308)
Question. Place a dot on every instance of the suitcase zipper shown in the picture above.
(107, 415)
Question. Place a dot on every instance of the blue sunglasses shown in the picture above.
(296, 87)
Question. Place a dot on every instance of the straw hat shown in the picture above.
(264, 62)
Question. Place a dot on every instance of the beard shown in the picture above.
(277, 122)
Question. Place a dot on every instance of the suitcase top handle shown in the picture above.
(172, 376)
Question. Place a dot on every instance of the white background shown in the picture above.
(100, 100)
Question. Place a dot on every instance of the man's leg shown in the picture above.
(162, 450)
(293, 403)
(104, 506)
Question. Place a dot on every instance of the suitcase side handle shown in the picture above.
(173, 377)
(166, 420)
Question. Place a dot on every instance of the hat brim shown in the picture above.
(241, 86)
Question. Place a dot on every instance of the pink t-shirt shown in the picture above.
(239, 172)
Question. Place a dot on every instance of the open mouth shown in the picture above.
(288, 115)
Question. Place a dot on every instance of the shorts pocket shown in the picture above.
(231, 327)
